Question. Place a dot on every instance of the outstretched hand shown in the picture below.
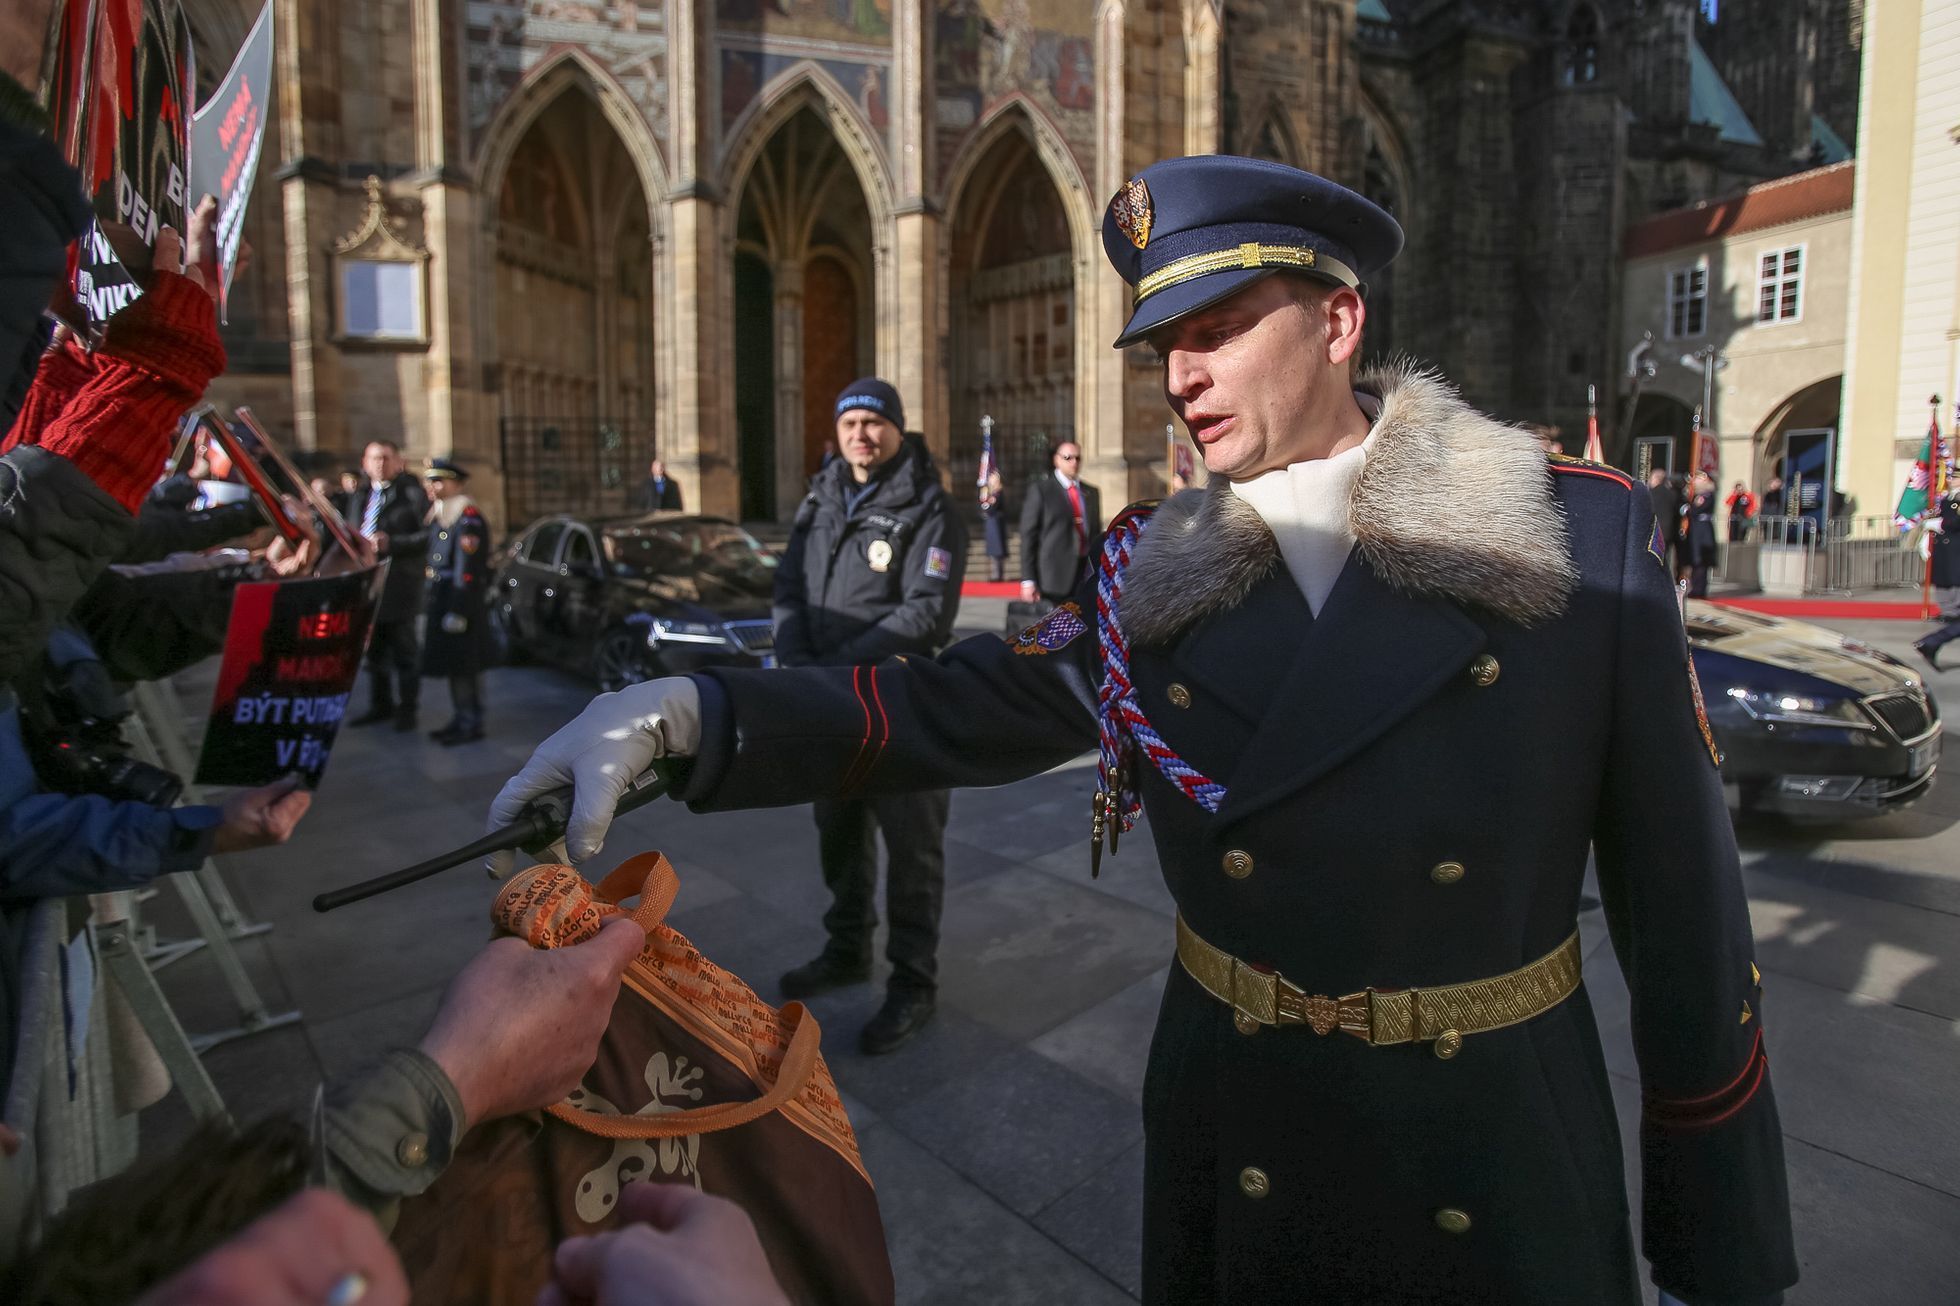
(598, 755)
(520, 1026)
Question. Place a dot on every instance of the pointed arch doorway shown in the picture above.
(573, 314)
(804, 321)
(1013, 313)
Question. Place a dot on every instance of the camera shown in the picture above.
(73, 729)
(80, 765)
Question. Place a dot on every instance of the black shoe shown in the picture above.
(404, 720)
(441, 733)
(375, 715)
(463, 735)
(1932, 655)
(904, 1014)
(827, 972)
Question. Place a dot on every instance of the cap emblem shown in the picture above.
(1132, 212)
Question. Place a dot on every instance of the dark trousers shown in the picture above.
(466, 701)
(1944, 635)
(1698, 581)
(915, 879)
(1082, 568)
(394, 679)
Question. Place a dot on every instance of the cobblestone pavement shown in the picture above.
(1005, 1140)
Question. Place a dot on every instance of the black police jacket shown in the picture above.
(1497, 685)
(456, 634)
(870, 570)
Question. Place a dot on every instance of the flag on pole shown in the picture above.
(1927, 479)
(1595, 452)
(1707, 450)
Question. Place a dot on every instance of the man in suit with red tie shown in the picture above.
(1060, 519)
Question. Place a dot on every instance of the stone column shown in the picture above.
(1204, 87)
(786, 277)
(308, 62)
(698, 440)
(461, 416)
(919, 255)
(1102, 297)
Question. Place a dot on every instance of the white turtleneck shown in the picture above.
(1305, 505)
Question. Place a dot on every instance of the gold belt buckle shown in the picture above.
(1352, 1013)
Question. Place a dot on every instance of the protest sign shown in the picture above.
(123, 75)
(226, 134)
(292, 652)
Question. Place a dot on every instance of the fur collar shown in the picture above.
(1451, 505)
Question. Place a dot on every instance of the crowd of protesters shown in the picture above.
(106, 578)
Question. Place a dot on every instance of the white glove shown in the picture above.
(599, 753)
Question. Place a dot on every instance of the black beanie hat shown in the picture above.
(874, 396)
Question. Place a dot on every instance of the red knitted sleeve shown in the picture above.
(64, 370)
(161, 353)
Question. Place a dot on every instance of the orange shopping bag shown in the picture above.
(697, 1081)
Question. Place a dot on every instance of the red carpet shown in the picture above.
(1825, 609)
(990, 589)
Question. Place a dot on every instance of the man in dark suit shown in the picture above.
(391, 509)
(1060, 517)
(659, 492)
(1376, 1074)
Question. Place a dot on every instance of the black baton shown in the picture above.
(538, 826)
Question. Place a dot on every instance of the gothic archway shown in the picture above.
(807, 263)
(572, 311)
(1014, 329)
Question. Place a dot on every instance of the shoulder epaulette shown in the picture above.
(1562, 462)
(1139, 510)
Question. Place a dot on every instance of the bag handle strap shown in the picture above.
(651, 876)
(798, 1064)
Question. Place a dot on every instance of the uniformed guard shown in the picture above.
(1382, 685)
(457, 643)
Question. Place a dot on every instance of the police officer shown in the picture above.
(457, 642)
(1376, 1075)
(1699, 543)
(872, 569)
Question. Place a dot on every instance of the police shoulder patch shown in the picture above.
(939, 563)
(471, 543)
(1052, 633)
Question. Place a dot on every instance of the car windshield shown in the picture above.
(689, 548)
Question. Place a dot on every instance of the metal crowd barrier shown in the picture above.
(1793, 555)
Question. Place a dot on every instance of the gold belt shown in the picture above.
(1384, 1016)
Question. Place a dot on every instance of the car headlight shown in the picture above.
(1800, 709)
(665, 630)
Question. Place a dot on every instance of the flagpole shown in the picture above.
(1934, 466)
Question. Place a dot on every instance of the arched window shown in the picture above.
(1582, 46)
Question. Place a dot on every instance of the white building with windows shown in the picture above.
(1759, 281)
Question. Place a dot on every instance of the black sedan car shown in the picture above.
(1810, 722)
(625, 599)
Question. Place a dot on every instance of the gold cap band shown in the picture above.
(1241, 258)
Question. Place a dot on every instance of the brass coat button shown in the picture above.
(1446, 872)
(1245, 1024)
(1451, 1220)
(1179, 695)
(1448, 1044)
(1484, 670)
(1253, 1182)
(1238, 864)
(413, 1150)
